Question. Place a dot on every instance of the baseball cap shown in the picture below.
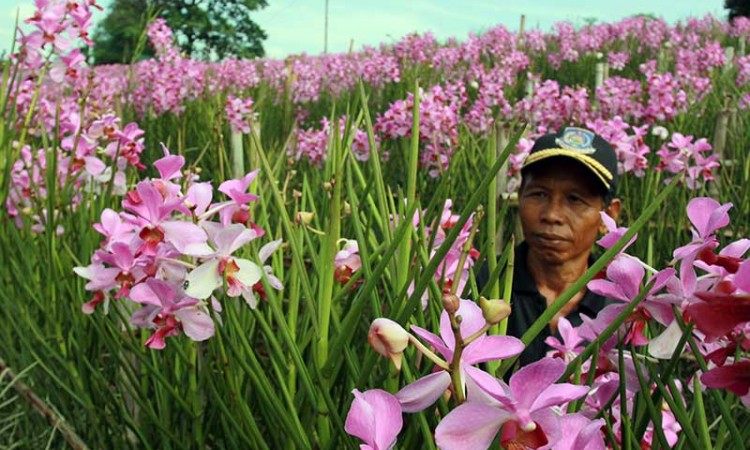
(584, 146)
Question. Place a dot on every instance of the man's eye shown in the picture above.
(575, 199)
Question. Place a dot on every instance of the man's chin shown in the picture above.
(554, 255)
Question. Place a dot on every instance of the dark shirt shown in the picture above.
(528, 304)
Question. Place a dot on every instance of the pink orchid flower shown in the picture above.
(624, 278)
(707, 216)
(719, 313)
(347, 261)
(523, 409)
(374, 417)
(426, 390)
(241, 274)
(734, 377)
(580, 433)
(570, 346)
(236, 209)
(169, 315)
(614, 233)
(153, 212)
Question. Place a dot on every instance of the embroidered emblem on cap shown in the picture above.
(578, 140)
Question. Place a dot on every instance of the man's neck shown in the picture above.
(554, 279)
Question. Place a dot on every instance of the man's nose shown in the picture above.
(554, 211)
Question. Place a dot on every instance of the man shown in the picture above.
(567, 179)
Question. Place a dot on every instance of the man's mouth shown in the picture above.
(548, 238)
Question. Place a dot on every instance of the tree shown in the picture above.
(205, 29)
(737, 8)
(118, 35)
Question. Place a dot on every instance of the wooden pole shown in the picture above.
(238, 155)
(325, 31)
(729, 55)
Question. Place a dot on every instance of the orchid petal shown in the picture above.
(472, 321)
(375, 417)
(742, 277)
(735, 378)
(268, 249)
(470, 426)
(153, 292)
(423, 392)
(481, 386)
(188, 238)
(607, 289)
(203, 280)
(249, 272)
(530, 381)
(94, 165)
(196, 324)
(664, 345)
(489, 348)
(200, 195)
(558, 394)
(433, 340)
(169, 166)
(231, 238)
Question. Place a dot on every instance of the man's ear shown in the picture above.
(613, 211)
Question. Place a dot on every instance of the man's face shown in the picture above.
(559, 208)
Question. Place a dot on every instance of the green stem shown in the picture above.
(429, 353)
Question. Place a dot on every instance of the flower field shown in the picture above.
(281, 254)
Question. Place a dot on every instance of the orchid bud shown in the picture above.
(451, 303)
(328, 186)
(389, 339)
(304, 217)
(494, 311)
(347, 208)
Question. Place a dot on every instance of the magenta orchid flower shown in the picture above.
(374, 417)
(241, 274)
(347, 261)
(719, 313)
(153, 211)
(577, 432)
(523, 409)
(707, 216)
(570, 346)
(426, 390)
(624, 278)
(733, 377)
(236, 210)
(168, 315)
(614, 233)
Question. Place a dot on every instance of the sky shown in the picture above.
(296, 26)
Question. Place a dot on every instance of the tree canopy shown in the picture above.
(204, 29)
(737, 8)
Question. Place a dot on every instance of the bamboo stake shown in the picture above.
(599, 75)
(238, 161)
(729, 55)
